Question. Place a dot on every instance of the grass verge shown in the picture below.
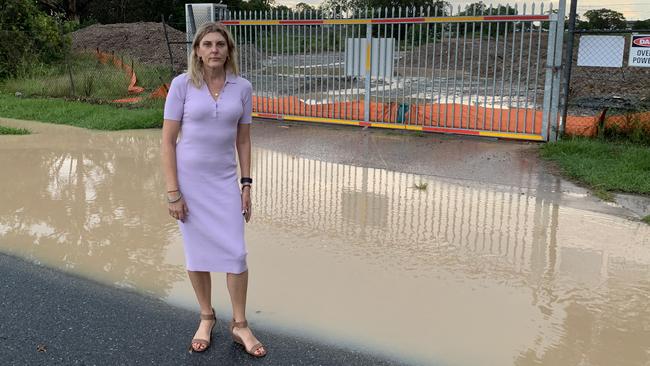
(13, 131)
(74, 113)
(603, 166)
(91, 79)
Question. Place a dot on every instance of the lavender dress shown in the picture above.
(213, 232)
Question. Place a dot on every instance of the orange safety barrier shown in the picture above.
(159, 93)
(453, 116)
(581, 126)
(133, 88)
(105, 58)
(588, 126)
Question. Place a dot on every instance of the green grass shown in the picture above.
(13, 131)
(603, 166)
(422, 186)
(91, 79)
(74, 113)
(646, 219)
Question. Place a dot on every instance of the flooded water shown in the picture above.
(515, 267)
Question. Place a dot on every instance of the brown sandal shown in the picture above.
(237, 339)
(204, 342)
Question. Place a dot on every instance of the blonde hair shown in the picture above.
(195, 65)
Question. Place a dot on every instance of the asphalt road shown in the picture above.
(49, 317)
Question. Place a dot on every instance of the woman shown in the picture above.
(211, 107)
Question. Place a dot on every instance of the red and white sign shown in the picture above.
(640, 50)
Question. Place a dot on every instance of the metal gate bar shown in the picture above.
(490, 71)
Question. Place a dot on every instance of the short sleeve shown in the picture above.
(175, 101)
(247, 103)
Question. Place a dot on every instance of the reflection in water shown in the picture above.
(377, 209)
(458, 273)
(88, 204)
(566, 258)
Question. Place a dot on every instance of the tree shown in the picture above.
(641, 25)
(581, 24)
(338, 6)
(605, 19)
(258, 5)
(350, 5)
(478, 8)
(27, 35)
(303, 7)
(282, 8)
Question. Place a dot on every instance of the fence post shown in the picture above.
(557, 72)
(190, 13)
(546, 105)
(366, 103)
(169, 48)
(568, 64)
(553, 73)
(67, 60)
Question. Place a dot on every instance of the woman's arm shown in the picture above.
(170, 132)
(244, 132)
(177, 207)
(244, 148)
(244, 152)
(172, 117)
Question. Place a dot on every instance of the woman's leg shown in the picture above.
(202, 284)
(238, 287)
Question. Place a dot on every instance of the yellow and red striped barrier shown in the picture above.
(451, 19)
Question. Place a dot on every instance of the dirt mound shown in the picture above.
(465, 55)
(145, 42)
(142, 41)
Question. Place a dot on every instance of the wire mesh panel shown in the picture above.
(606, 84)
(484, 70)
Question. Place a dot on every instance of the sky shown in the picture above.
(631, 9)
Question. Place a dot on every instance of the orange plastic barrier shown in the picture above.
(105, 58)
(588, 126)
(133, 88)
(452, 116)
(517, 120)
(161, 92)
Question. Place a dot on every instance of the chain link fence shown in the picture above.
(607, 87)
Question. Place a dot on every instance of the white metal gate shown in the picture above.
(487, 71)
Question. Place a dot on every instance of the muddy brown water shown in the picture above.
(460, 273)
